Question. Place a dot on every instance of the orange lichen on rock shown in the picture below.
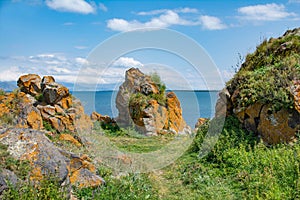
(70, 138)
(35, 120)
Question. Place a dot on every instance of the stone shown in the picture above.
(54, 92)
(47, 159)
(151, 111)
(276, 128)
(30, 84)
(135, 81)
(47, 80)
(70, 138)
(175, 119)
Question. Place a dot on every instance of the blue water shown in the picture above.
(194, 104)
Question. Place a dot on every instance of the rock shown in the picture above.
(276, 127)
(175, 120)
(154, 118)
(29, 117)
(30, 84)
(104, 120)
(135, 82)
(70, 138)
(223, 105)
(47, 159)
(269, 105)
(82, 172)
(200, 122)
(46, 81)
(295, 91)
(141, 102)
(54, 92)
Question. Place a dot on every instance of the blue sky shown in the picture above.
(55, 37)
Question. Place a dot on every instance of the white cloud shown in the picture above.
(168, 18)
(103, 7)
(82, 61)
(164, 18)
(76, 6)
(10, 74)
(264, 12)
(186, 10)
(152, 12)
(126, 62)
(211, 23)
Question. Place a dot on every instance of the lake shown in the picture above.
(194, 104)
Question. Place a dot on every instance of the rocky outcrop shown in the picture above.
(48, 160)
(143, 102)
(265, 94)
(43, 101)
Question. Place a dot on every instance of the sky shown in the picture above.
(62, 37)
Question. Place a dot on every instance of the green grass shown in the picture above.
(238, 167)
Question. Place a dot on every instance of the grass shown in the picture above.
(267, 74)
(238, 167)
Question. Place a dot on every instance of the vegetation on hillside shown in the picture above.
(267, 74)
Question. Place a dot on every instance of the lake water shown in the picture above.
(194, 104)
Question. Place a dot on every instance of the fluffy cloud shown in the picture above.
(264, 12)
(127, 62)
(76, 6)
(82, 61)
(211, 23)
(163, 21)
(165, 18)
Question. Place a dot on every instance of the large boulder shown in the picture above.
(54, 92)
(265, 93)
(46, 159)
(142, 101)
(30, 84)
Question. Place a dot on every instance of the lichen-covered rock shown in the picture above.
(143, 102)
(135, 82)
(46, 159)
(51, 103)
(54, 92)
(82, 172)
(70, 138)
(47, 80)
(175, 120)
(30, 84)
(265, 93)
(105, 120)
